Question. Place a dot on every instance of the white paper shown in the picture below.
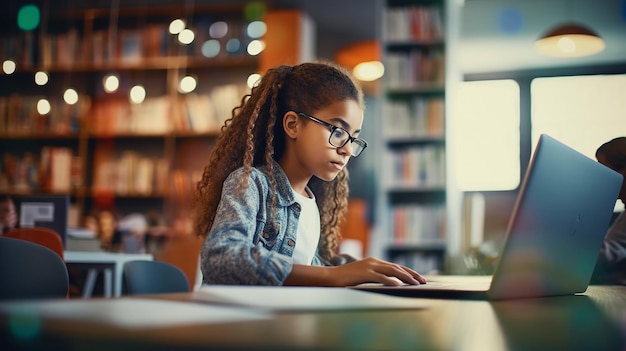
(130, 312)
(283, 298)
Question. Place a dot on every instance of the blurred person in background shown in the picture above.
(611, 264)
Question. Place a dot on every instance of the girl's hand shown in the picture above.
(374, 270)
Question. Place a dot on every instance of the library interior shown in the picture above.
(110, 112)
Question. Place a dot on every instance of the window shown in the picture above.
(581, 111)
(487, 135)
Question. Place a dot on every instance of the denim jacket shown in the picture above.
(243, 246)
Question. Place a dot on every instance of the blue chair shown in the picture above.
(31, 271)
(154, 277)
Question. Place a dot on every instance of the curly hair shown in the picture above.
(254, 136)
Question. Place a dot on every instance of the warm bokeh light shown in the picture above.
(70, 96)
(369, 71)
(41, 78)
(218, 29)
(571, 45)
(256, 29)
(111, 83)
(187, 85)
(137, 94)
(253, 80)
(211, 48)
(186, 36)
(570, 40)
(9, 66)
(255, 47)
(43, 107)
(176, 26)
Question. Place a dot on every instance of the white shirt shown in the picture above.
(308, 235)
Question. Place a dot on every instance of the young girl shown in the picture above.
(272, 198)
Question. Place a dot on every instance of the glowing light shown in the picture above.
(43, 107)
(176, 26)
(256, 29)
(218, 29)
(211, 48)
(8, 66)
(233, 45)
(110, 83)
(41, 78)
(570, 40)
(28, 17)
(70, 96)
(369, 71)
(255, 47)
(137, 94)
(253, 80)
(186, 36)
(254, 10)
(187, 84)
(566, 44)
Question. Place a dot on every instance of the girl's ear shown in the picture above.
(290, 124)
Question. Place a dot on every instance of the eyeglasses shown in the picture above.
(339, 136)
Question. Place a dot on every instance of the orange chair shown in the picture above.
(42, 236)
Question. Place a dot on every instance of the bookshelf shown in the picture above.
(413, 175)
(105, 151)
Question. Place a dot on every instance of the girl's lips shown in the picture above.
(338, 165)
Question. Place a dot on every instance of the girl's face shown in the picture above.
(312, 148)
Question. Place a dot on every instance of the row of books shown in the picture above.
(55, 169)
(184, 184)
(129, 174)
(207, 112)
(416, 223)
(416, 117)
(415, 167)
(409, 69)
(194, 112)
(119, 116)
(19, 115)
(420, 23)
(117, 45)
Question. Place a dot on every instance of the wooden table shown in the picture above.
(595, 320)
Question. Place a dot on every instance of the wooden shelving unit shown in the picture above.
(413, 129)
(77, 129)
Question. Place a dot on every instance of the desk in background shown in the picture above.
(110, 263)
(593, 321)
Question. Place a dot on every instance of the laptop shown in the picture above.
(558, 223)
(45, 210)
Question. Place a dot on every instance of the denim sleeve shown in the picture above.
(229, 254)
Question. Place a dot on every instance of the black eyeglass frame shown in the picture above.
(333, 128)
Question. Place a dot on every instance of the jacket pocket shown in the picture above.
(269, 237)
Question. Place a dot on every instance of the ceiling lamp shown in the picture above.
(570, 40)
(363, 58)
